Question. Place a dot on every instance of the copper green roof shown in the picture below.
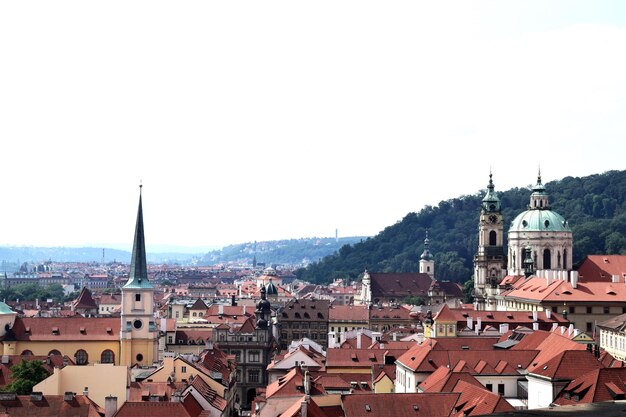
(540, 221)
(491, 202)
(5, 309)
(138, 276)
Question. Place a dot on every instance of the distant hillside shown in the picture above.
(595, 207)
(285, 252)
(15, 254)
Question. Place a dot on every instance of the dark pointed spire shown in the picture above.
(138, 276)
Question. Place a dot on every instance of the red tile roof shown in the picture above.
(153, 409)
(50, 406)
(66, 328)
(399, 405)
(602, 268)
(599, 385)
(475, 400)
(358, 313)
(569, 364)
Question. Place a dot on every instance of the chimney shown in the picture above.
(331, 340)
(548, 313)
(534, 315)
(574, 279)
(110, 406)
(554, 326)
(570, 330)
(394, 336)
(614, 278)
(68, 396)
(220, 309)
(303, 408)
(479, 324)
(470, 323)
(420, 338)
(535, 326)
(504, 327)
(358, 339)
(562, 329)
(86, 392)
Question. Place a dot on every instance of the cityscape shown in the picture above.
(330, 209)
(531, 330)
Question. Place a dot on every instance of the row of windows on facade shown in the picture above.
(234, 338)
(253, 355)
(80, 357)
(254, 375)
(571, 309)
(312, 325)
(296, 336)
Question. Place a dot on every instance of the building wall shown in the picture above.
(509, 382)
(614, 343)
(77, 378)
(540, 392)
(384, 386)
(69, 348)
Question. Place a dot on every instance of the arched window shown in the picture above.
(27, 352)
(107, 356)
(546, 259)
(564, 258)
(54, 352)
(493, 236)
(81, 357)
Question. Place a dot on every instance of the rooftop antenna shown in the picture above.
(336, 235)
(102, 256)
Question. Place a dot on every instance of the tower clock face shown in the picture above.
(493, 218)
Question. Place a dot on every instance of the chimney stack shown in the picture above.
(358, 339)
(110, 406)
(548, 313)
(615, 278)
(86, 392)
(574, 279)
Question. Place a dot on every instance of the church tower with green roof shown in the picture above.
(490, 260)
(138, 334)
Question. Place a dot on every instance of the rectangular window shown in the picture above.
(572, 309)
(501, 389)
(555, 309)
(254, 356)
(589, 310)
(183, 369)
(137, 297)
(606, 310)
(253, 375)
(237, 354)
(170, 340)
(589, 326)
(489, 387)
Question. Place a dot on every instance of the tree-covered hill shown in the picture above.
(288, 251)
(595, 207)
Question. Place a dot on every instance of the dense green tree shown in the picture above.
(26, 375)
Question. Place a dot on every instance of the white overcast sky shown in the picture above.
(256, 120)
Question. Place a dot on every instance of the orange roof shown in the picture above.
(359, 313)
(67, 328)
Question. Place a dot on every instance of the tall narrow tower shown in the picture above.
(427, 260)
(138, 334)
(490, 260)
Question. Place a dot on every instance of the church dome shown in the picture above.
(270, 288)
(539, 221)
(269, 272)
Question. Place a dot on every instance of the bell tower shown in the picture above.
(138, 332)
(490, 260)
